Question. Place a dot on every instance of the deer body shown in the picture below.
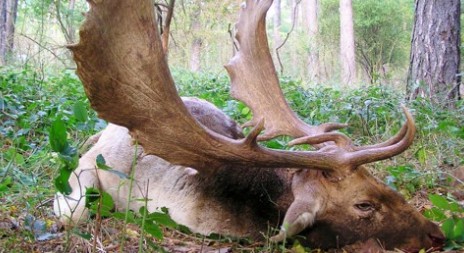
(236, 201)
(192, 200)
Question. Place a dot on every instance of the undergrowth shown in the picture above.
(31, 103)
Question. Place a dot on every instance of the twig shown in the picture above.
(286, 37)
(202, 243)
(453, 176)
(44, 203)
(98, 218)
(129, 195)
(144, 217)
(41, 46)
(8, 167)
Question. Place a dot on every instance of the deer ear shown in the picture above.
(300, 215)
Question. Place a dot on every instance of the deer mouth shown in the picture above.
(320, 234)
(434, 242)
(437, 240)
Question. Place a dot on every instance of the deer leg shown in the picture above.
(71, 208)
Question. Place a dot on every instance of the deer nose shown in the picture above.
(437, 238)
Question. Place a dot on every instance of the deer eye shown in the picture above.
(365, 206)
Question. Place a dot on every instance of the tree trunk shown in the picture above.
(71, 29)
(347, 49)
(195, 58)
(293, 50)
(167, 27)
(312, 27)
(435, 52)
(8, 11)
(277, 22)
(3, 14)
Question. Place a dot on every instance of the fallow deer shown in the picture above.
(326, 196)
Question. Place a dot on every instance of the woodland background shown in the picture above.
(333, 67)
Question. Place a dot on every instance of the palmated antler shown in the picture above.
(121, 63)
(254, 81)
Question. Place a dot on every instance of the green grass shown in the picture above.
(31, 101)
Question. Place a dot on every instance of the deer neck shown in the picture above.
(255, 189)
(236, 201)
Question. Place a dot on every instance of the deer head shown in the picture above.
(122, 65)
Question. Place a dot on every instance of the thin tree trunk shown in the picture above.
(277, 22)
(293, 50)
(64, 24)
(435, 51)
(3, 33)
(195, 58)
(312, 27)
(167, 26)
(11, 21)
(8, 12)
(71, 29)
(347, 49)
(66, 20)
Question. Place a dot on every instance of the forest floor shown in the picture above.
(41, 231)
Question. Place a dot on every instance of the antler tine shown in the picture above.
(254, 79)
(340, 139)
(395, 139)
(377, 153)
(370, 153)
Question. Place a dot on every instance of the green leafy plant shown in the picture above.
(101, 204)
(407, 180)
(451, 216)
(98, 202)
(67, 155)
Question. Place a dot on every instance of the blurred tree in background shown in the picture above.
(383, 31)
(8, 12)
(307, 33)
(347, 48)
(435, 53)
